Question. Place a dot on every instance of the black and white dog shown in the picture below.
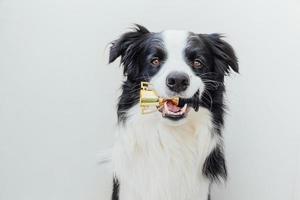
(177, 152)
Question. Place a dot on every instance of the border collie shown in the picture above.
(175, 153)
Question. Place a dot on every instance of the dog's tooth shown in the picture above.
(181, 112)
(166, 111)
(166, 107)
(184, 108)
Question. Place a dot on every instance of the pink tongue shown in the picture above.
(172, 107)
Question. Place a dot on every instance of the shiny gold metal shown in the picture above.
(150, 101)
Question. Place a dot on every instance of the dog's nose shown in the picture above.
(178, 81)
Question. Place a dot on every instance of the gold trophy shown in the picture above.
(150, 101)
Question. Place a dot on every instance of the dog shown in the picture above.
(175, 153)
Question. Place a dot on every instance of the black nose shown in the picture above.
(178, 81)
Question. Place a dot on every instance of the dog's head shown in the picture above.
(177, 63)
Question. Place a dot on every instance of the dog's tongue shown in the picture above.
(172, 107)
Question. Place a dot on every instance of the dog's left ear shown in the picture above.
(225, 58)
(127, 47)
(123, 45)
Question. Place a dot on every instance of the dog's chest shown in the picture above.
(157, 162)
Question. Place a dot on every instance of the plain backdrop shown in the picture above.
(58, 95)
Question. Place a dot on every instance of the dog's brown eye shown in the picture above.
(197, 63)
(155, 62)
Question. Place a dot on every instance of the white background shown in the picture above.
(58, 95)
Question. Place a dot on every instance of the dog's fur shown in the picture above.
(154, 157)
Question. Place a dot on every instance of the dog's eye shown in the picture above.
(155, 62)
(197, 63)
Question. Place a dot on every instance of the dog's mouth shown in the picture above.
(179, 111)
(174, 112)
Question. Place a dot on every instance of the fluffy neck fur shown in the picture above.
(153, 160)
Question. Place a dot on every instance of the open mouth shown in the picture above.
(174, 112)
(179, 111)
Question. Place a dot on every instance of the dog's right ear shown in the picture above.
(122, 45)
(225, 58)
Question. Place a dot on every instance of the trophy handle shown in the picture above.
(145, 85)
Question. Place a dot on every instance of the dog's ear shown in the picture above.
(123, 45)
(225, 58)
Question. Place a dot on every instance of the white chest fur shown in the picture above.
(156, 161)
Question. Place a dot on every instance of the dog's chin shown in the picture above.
(171, 122)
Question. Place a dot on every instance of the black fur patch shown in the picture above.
(116, 188)
(215, 167)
